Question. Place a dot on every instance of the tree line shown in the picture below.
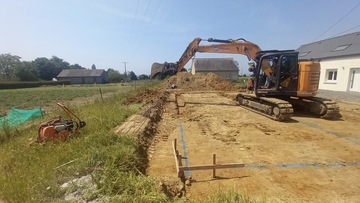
(13, 69)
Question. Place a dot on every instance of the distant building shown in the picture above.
(339, 59)
(84, 76)
(226, 68)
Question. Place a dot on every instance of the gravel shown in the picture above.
(353, 97)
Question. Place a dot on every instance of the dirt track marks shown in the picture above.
(239, 136)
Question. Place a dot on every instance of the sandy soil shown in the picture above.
(306, 159)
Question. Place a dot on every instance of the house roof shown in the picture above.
(70, 73)
(215, 64)
(345, 45)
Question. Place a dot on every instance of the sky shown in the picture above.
(137, 33)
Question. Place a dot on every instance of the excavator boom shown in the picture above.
(188, 54)
(239, 46)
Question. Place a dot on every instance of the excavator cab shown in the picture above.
(276, 73)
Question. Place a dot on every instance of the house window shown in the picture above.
(341, 47)
(331, 75)
(302, 54)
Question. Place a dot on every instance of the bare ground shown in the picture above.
(306, 159)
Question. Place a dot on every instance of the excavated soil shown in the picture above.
(199, 82)
(145, 97)
(304, 160)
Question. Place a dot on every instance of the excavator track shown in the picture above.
(277, 109)
(321, 107)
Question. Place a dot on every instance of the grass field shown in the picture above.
(28, 98)
(34, 173)
(30, 173)
(242, 82)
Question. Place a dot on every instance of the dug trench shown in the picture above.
(144, 126)
(308, 159)
(168, 103)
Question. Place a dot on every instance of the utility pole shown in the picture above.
(125, 70)
(125, 67)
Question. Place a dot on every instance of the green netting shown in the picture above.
(17, 117)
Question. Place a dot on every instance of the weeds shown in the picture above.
(32, 173)
(228, 196)
(5, 132)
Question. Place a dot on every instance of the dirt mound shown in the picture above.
(146, 97)
(199, 82)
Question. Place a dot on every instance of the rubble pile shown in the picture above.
(199, 82)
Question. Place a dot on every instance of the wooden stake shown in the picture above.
(210, 167)
(102, 100)
(176, 156)
(214, 163)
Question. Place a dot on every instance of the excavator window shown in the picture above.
(278, 71)
(288, 65)
(268, 72)
(288, 71)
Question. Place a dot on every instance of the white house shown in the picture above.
(339, 59)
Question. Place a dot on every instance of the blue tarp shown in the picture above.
(16, 117)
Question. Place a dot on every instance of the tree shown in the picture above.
(27, 71)
(76, 66)
(143, 77)
(45, 67)
(59, 65)
(93, 67)
(49, 69)
(132, 76)
(115, 76)
(8, 64)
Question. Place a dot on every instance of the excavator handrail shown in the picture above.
(223, 41)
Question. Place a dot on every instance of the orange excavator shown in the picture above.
(280, 81)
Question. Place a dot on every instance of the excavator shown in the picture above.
(280, 81)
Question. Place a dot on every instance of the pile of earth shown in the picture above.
(186, 82)
(146, 97)
(199, 82)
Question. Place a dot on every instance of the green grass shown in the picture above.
(242, 82)
(30, 173)
(34, 173)
(29, 98)
(230, 196)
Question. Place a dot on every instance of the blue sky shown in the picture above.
(107, 33)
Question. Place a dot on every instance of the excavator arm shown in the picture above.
(239, 46)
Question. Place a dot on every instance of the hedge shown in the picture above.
(16, 85)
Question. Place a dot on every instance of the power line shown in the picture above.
(136, 37)
(345, 31)
(337, 22)
(132, 26)
(157, 8)
(151, 18)
(141, 28)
